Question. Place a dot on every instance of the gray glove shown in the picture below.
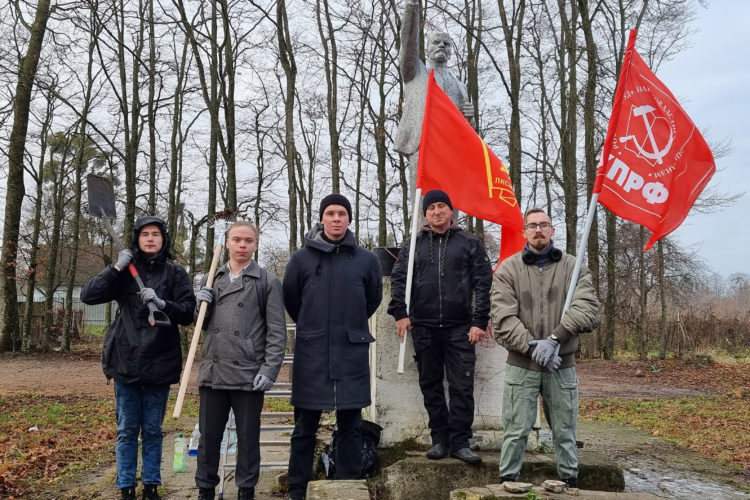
(205, 294)
(262, 383)
(123, 259)
(544, 351)
(554, 364)
(149, 295)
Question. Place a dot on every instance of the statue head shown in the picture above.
(438, 48)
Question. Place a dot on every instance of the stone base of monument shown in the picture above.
(339, 490)
(497, 492)
(417, 477)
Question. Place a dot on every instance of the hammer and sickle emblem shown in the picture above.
(654, 152)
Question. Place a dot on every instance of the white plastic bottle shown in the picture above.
(194, 440)
(179, 463)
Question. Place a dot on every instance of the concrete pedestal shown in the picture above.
(397, 401)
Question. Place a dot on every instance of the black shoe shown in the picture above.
(466, 455)
(572, 482)
(437, 452)
(150, 492)
(128, 493)
(506, 479)
(246, 494)
(205, 494)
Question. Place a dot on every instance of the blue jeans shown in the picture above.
(140, 410)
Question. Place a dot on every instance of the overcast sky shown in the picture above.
(711, 80)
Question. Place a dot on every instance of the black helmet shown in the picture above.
(142, 222)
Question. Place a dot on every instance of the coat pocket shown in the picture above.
(359, 336)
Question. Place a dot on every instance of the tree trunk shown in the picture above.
(9, 327)
(611, 304)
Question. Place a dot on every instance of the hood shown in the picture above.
(454, 227)
(142, 222)
(314, 239)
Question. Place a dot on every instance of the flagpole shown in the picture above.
(410, 273)
(581, 251)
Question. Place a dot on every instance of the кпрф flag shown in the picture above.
(453, 158)
(658, 162)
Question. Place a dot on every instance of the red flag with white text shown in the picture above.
(657, 160)
(453, 158)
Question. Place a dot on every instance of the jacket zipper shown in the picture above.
(440, 282)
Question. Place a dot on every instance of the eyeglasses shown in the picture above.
(534, 226)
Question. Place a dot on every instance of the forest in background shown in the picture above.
(266, 106)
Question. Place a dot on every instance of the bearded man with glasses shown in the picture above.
(527, 301)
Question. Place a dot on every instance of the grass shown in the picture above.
(716, 426)
(45, 439)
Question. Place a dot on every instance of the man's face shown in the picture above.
(150, 240)
(241, 243)
(439, 48)
(335, 221)
(438, 216)
(539, 231)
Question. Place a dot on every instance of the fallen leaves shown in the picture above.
(74, 431)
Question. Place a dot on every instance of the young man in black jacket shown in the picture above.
(450, 268)
(143, 359)
(331, 287)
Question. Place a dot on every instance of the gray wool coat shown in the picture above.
(239, 343)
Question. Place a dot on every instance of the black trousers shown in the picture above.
(441, 352)
(214, 412)
(348, 457)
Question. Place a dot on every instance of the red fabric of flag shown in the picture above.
(453, 158)
(657, 160)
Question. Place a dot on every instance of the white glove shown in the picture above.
(262, 383)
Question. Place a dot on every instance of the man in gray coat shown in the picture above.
(529, 320)
(241, 357)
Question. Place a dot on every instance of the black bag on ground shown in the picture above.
(370, 439)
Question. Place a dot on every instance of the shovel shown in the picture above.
(102, 204)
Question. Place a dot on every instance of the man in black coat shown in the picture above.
(450, 269)
(331, 287)
(143, 359)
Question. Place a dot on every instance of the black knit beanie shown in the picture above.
(335, 199)
(435, 196)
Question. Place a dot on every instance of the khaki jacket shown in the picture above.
(527, 304)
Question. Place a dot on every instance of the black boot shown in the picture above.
(571, 482)
(150, 492)
(128, 493)
(205, 494)
(246, 494)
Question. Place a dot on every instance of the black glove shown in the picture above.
(544, 351)
(123, 259)
(149, 295)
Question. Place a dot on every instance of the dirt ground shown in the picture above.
(650, 464)
(58, 373)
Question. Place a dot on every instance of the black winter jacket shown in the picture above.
(134, 351)
(330, 291)
(449, 269)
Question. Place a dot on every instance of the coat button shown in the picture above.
(235, 362)
(216, 330)
(236, 332)
(246, 278)
(240, 304)
(216, 359)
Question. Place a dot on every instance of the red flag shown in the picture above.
(453, 158)
(657, 160)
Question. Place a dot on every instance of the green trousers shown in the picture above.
(559, 392)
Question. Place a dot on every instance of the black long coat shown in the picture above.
(330, 291)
